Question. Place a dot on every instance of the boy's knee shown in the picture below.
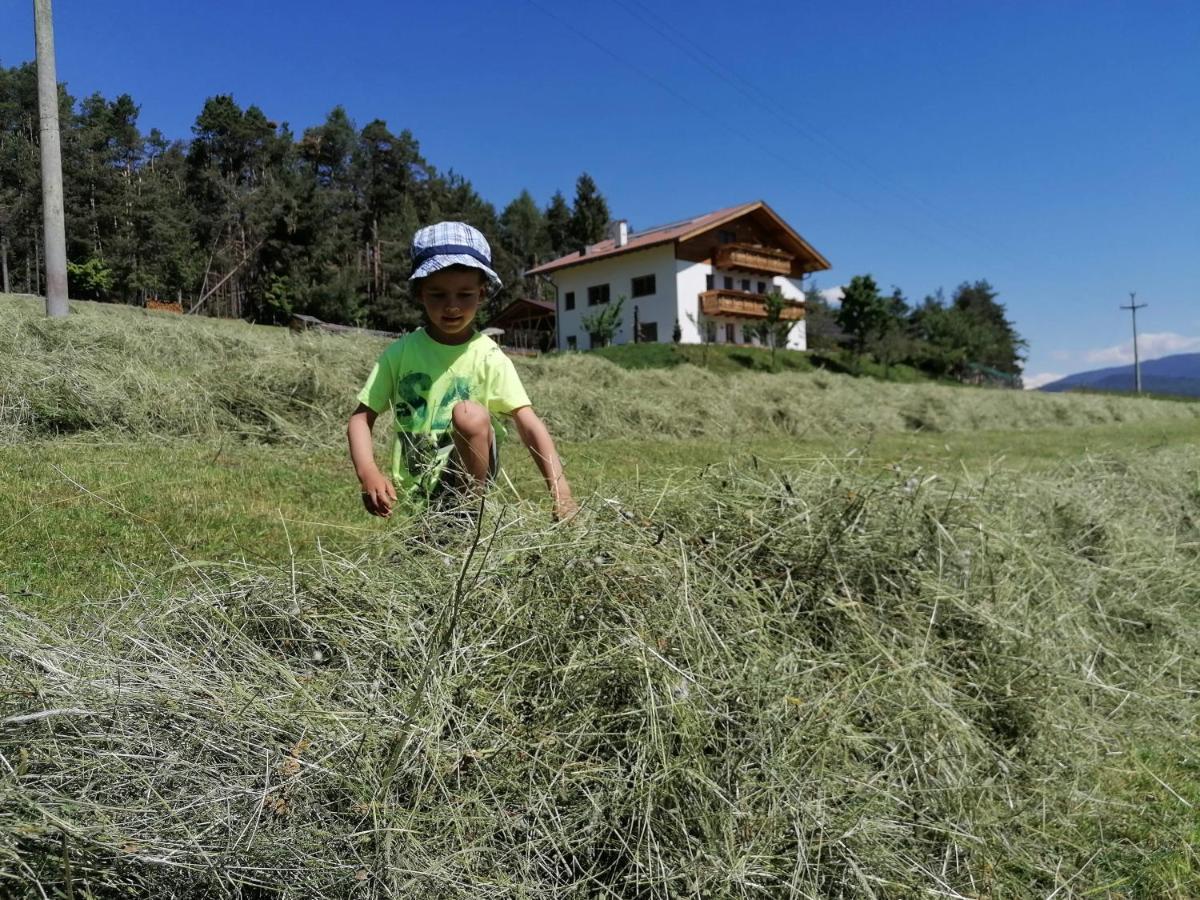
(470, 418)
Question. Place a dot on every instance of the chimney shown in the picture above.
(619, 232)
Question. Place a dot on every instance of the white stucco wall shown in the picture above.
(790, 288)
(690, 278)
(692, 281)
(678, 286)
(618, 273)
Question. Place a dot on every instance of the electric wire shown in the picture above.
(760, 146)
(779, 111)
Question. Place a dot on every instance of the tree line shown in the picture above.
(248, 219)
(962, 337)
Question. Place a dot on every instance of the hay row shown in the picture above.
(120, 370)
(832, 682)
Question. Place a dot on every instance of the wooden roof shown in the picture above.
(522, 309)
(697, 238)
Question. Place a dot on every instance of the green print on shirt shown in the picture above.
(459, 390)
(412, 401)
(424, 448)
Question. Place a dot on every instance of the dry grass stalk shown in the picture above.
(826, 682)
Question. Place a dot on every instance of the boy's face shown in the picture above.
(451, 298)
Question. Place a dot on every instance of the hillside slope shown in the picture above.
(121, 369)
(1178, 375)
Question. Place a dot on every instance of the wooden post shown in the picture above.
(4, 262)
(52, 187)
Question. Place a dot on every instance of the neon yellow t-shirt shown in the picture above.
(421, 380)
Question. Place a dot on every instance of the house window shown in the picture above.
(649, 333)
(571, 342)
(725, 236)
(728, 282)
(569, 300)
(708, 282)
(762, 287)
(643, 285)
(746, 285)
(597, 294)
(730, 333)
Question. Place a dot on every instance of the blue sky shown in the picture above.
(1050, 147)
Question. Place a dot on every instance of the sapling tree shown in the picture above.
(603, 325)
(774, 329)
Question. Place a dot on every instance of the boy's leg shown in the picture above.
(473, 441)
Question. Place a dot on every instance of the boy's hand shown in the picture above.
(378, 494)
(565, 509)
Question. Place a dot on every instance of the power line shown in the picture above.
(813, 135)
(1133, 307)
(764, 148)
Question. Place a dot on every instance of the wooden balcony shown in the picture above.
(753, 258)
(744, 305)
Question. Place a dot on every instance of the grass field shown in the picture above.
(81, 517)
(829, 649)
(732, 360)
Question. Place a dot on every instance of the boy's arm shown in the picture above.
(541, 447)
(378, 492)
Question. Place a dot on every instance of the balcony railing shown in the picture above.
(744, 305)
(753, 258)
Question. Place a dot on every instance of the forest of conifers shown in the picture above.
(245, 219)
(248, 219)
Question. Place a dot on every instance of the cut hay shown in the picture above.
(128, 372)
(835, 682)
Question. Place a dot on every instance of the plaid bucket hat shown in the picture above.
(451, 244)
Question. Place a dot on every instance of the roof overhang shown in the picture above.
(690, 239)
(582, 259)
(807, 259)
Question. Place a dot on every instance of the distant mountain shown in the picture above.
(1178, 374)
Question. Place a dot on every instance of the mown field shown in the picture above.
(811, 636)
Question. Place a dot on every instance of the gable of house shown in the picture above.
(698, 239)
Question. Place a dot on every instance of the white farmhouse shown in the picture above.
(712, 272)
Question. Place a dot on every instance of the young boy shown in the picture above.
(444, 382)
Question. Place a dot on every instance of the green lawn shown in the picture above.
(728, 359)
(80, 518)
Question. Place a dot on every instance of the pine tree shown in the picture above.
(524, 238)
(589, 216)
(971, 328)
(558, 225)
(862, 312)
(996, 342)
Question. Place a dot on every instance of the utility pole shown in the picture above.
(52, 186)
(1133, 307)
